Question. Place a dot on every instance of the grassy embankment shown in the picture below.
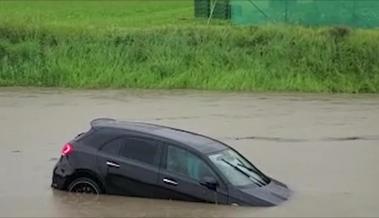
(152, 44)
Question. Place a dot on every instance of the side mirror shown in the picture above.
(209, 182)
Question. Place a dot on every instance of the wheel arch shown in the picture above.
(87, 174)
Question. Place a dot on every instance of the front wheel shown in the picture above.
(84, 185)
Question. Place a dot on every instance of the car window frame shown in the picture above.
(138, 162)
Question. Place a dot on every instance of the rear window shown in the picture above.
(80, 136)
(97, 137)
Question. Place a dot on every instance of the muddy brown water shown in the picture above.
(325, 147)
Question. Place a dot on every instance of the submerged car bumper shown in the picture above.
(58, 182)
(61, 174)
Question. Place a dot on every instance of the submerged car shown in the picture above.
(153, 161)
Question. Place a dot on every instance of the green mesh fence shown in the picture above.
(364, 13)
(222, 9)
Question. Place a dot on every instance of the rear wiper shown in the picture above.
(241, 171)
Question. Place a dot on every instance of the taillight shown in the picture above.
(67, 149)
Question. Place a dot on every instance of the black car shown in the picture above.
(153, 161)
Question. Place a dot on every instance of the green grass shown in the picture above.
(151, 44)
(95, 14)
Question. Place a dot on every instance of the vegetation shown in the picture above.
(151, 44)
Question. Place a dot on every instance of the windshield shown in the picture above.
(237, 169)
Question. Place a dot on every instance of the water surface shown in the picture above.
(325, 147)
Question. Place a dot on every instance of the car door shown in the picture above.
(180, 177)
(134, 171)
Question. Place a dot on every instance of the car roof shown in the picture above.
(201, 143)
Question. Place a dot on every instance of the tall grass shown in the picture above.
(188, 55)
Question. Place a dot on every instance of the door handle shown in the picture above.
(112, 164)
(170, 182)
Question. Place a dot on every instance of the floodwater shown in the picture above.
(324, 147)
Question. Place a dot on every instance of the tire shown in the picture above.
(84, 185)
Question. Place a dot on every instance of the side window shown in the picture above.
(142, 150)
(113, 146)
(183, 162)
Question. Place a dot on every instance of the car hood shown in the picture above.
(272, 194)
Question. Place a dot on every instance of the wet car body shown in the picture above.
(153, 161)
